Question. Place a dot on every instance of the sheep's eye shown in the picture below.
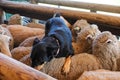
(108, 41)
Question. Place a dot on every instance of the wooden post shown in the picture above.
(11, 69)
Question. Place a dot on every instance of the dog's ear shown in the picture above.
(36, 40)
(56, 15)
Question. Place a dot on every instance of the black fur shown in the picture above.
(46, 49)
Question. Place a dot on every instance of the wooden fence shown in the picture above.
(105, 22)
(85, 5)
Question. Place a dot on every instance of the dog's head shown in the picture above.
(43, 51)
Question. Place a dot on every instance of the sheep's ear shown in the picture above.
(9, 39)
(94, 26)
(36, 40)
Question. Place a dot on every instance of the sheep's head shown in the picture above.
(4, 44)
(15, 19)
(106, 45)
(78, 26)
(88, 33)
(85, 38)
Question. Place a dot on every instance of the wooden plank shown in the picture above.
(100, 75)
(84, 5)
(11, 69)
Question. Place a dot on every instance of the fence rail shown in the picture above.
(84, 5)
(111, 23)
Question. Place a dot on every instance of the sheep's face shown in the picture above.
(4, 44)
(88, 33)
(4, 40)
(107, 44)
(15, 19)
(79, 25)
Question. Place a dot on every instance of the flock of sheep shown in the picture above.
(93, 49)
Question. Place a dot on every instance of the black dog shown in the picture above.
(57, 43)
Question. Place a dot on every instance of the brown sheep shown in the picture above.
(78, 26)
(82, 43)
(29, 41)
(20, 52)
(118, 64)
(4, 44)
(105, 52)
(5, 31)
(36, 25)
(24, 48)
(106, 48)
(20, 33)
(15, 19)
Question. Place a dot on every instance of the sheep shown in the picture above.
(106, 48)
(5, 31)
(83, 44)
(36, 25)
(105, 52)
(4, 45)
(118, 64)
(20, 52)
(77, 27)
(29, 41)
(20, 33)
(24, 48)
(15, 19)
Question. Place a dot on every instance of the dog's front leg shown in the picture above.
(66, 66)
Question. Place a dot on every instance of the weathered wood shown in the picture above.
(42, 12)
(85, 5)
(11, 69)
(1, 15)
(100, 75)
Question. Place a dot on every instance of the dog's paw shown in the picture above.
(65, 69)
(66, 66)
